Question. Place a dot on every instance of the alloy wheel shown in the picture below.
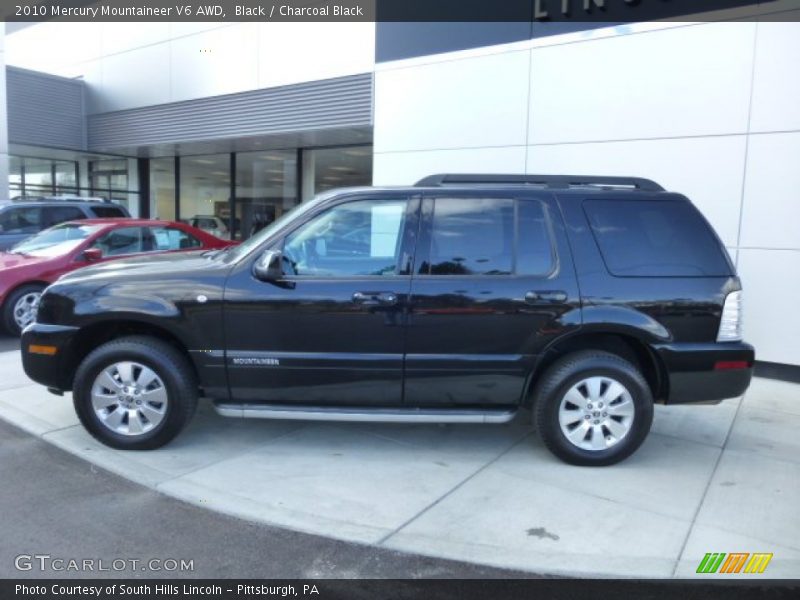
(596, 413)
(129, 398)
(25, 309)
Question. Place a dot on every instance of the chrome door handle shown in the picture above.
(375, 298)
(546, 296)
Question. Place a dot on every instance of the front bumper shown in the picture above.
(707, 372)
(55, 370)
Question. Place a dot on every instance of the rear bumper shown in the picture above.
(52, 370)
(707, 372)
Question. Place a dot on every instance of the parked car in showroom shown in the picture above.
(24, 217)
(27, 268)
(210, 224)
(463, 299)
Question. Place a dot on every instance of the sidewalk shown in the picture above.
(709, 479)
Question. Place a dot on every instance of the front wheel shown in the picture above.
(135, 393)
(21, 307)
(593, 408)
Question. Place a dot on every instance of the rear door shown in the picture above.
(493, 285)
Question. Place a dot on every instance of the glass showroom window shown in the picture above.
(162, 188)
(38, 177)
(266, 187)
(30, 176)
(15, 187)
(205, 192)
(328, 168)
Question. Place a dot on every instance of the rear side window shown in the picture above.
(472, 236)
(108, 211)
(489, 236)
(53, 215)
(655, 238)
(169, 238)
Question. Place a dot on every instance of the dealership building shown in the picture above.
(246, 120)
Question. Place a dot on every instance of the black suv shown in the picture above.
(20, 219)
(460, 300)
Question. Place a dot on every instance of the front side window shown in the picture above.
(122, 241)
(359, 238)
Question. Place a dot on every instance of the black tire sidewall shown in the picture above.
(179, 393)
(570, 373)
(9, 324)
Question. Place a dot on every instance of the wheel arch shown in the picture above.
(628, 345)
(96, 334)
(21, 284)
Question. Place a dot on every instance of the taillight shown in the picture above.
(730, 326)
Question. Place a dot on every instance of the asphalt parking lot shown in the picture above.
(720, 478)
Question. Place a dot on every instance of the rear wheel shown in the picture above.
(20, 307)
(135, 393)
(593, 408)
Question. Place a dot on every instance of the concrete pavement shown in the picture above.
(56, 504)
(720, 478)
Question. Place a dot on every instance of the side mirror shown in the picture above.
(92, 254)
(269, 266)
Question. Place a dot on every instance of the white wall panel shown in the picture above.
(771, 216)
(454, 104)
(776, 91)
(137, 78)
(214, 62)
(50, 46)
(707, 170)
(684, 81)
(405, 168)
(120, 37)
(296, 52)
(771, 288)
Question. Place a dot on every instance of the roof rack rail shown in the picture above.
(551, 181)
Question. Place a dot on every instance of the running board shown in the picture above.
(373, 415)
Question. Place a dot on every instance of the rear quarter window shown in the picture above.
(108, 211)
(655, 238)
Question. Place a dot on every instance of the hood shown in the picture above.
(156, 266)
(11, 261)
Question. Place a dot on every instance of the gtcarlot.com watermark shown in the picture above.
(55, 564)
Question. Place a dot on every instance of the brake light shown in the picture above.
(731, 365)
(730, 325)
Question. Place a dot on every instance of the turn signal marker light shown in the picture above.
(39, 349)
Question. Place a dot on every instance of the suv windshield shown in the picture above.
(56, 240)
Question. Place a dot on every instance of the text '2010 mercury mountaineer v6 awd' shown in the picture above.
(461, 300)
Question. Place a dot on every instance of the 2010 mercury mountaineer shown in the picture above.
(461, 299)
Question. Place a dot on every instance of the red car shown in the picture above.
(30, 266)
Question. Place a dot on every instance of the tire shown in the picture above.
(592, 408)
(147, 413)
(28, 295)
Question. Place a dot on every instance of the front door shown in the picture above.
(332, 331)
(494, 284)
